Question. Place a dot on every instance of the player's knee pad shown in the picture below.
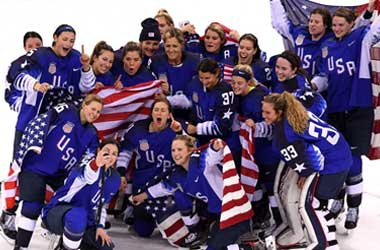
(75, 220)
(31, 209)
(144, 227)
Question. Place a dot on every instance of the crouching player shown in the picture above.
(320, 157)
(77, 210)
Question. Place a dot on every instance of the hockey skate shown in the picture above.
(8, 227)
(352, 218)
(337, 207)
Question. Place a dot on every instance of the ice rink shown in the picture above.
(365, 237)
(117, 22)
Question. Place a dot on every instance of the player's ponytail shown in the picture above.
(295, 112)
(288, 107)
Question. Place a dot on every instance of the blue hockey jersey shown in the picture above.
(82, 189)
(213, 111)
(142, 75)
(321, 148)
(226, 51)
(153, 151)
(43, 65)
(300, 88)
(64, 145)
(345, 63)
(12, 95)
(261, 70)
(178, 76)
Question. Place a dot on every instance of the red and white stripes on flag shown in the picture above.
(9, 186)
(174, 228)
(249, 169)
(236, 207)
(374, 152)
(121, 107)
(227, 72)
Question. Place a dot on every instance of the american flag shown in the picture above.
(374, 152)
(169, 219)
(55, 96)
(32, 139)
(121, 107)
(249, 169)
(236, 207)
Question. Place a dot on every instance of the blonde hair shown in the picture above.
(219, 30)
(174, 33)
(92, 98)
(188, 140)
(246, 68)
(165, 14)
(289, 107)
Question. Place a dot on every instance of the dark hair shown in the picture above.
(295, 62)
(62, 28)
(99, 48)
(346, 13)
(209, 65)
(326, 16)
(255, 42)
(164, 100)
(107, 141)
(31, 34)
(132, 46)
(150, 30)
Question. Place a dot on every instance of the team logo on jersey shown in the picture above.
(325, 52)
(68, 127)
(52, 68)
(195, 97)
(144, 145)
(299, 39)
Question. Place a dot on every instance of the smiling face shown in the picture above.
(90, 112)
(149, 47)
(246, 51)
(340, 27)
(284, 70)
(160, 115)
(173, 50)
(180, 152)
(269, 114)
(239, 85)
(103, 63)
(64, 43)
(213, 42)
(132, 62)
